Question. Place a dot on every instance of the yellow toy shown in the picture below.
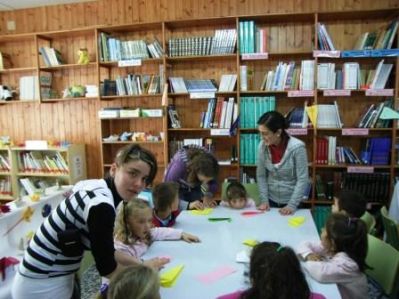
(83, 56)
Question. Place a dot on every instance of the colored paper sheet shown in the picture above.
(216, 274)
(312, 113)
(217, 219)
(242, 256)
(250, 242)
(389, 113)
(296, 221)
(206, 211)
(169, 278)
(251, 213)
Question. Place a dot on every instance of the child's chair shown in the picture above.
(383, 260)
(252, 190)
(370, 222)
(391, 228)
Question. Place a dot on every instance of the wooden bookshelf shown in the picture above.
(291, 37)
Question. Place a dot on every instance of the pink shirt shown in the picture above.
(139, 248)
(339, 269)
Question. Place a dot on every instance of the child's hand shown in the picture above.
(264, 207)
(189, 238)
(314, 257)
(209, 202)
(156, 263)
(196, 205)
(286, 211)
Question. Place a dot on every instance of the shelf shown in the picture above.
(179, 59)
(340, 166)
(125, 118)
(18, 70)
(5, 173)
(42, 174)
(107, 98)
(88, 31)
(145, 61)
(67, 99)
(6, 197)
(54, 68)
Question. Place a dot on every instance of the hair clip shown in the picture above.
(280, 248)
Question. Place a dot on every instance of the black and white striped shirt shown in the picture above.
(90, 209)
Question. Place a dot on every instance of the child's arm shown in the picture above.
(338, 269)
(168, 233)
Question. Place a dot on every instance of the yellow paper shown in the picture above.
(312, 113)
(250, 242)
(168, 278)
(206, 211)
(296, 221)
(27, 214)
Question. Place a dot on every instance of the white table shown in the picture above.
(9, 245)
(220, 242)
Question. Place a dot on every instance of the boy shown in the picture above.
(166, 204)
(350, 202)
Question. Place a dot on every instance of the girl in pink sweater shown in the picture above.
(237, 197)
(134, 233)
(340, 257)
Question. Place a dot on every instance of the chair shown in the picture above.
(391, 228)
(370, 222)
(383, 260)
(251, 188)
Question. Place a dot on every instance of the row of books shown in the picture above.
(128, 112)
(297, 117)
(5, 186)
(380, 39)
(328, 153)
(252, 39)
(375, 152)
(137, 84)
(352, 77)
(114, 49)
(251, 108)
(4, 163)
(371, 117)
(249, 148)
(35, 161)
(221, 113)
(223, 42)
(180, 85)
(374, 186)
(51, 56)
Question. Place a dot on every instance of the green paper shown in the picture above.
(214, 219)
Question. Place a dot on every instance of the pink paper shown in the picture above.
(251, 213)
(216, 274)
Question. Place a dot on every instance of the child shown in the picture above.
(350, 202)
(340, 257)
(165, 197)
(237, 197)
(275, 273)
(134, 282)
(134, 234)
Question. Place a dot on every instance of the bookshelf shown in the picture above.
(287, 37)
(58, 64)
(45, 168)
(202, 50)
(138, 86)
(374, 179)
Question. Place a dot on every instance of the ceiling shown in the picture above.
(20, 4)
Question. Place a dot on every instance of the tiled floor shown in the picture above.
(90, 283)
